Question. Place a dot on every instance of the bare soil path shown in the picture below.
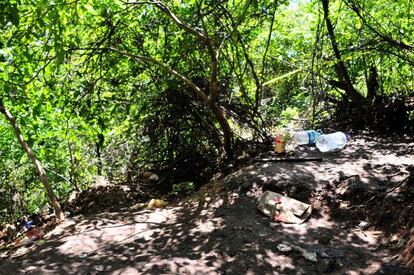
(220, 231)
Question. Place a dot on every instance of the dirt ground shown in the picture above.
(218, 230)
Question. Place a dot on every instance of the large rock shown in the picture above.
(148, 177)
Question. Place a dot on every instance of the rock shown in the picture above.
(83, 255)
(101, 181)
(99, 268)
(310, 256)
(324, 239)
(384, 241)
(284, 248)
(146, 180)
(156, 203)
(395, 238)
(363, 225)
(149, 176)
(246, 185)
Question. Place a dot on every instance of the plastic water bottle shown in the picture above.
(306, 137)
(331, 142)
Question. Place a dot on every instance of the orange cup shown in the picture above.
(280, 147)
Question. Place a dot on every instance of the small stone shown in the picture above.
(324, 240)
(147, 174)
(284, 248)
(311, 256)
(246, 185)
(99, 268)
(83, 255)
(363, 225)
(384, 241)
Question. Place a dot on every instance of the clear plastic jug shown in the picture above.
(306, 137)
(331, 142)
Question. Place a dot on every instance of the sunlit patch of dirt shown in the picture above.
(217, 230)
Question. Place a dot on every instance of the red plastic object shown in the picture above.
(33, 234)
(278, 139)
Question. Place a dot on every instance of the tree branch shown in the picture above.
(249, 61)
(213, 56)
(170, 14)
(386, 37)
(39, 167)
(202, 36)
(196, 89)
(340, 68)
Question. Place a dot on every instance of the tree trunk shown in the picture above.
(73, 167)
(99, 145)
(372, 84)
(209, 101)
(225, 127)
(204, 39)
(341, 71)
(42, 174)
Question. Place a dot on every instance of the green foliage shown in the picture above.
(183, 187)
(85, 109)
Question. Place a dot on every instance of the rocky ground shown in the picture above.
(362, 221)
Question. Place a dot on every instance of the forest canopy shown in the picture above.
(114, 88)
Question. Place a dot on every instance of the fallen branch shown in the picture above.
(288, 159)
(383, 194)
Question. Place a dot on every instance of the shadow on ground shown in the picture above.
(220, 231)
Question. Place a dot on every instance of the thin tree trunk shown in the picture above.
(372, 84)
(72, 172)
(42, 174)
(259, 87)
(225, 127)
(99, 145)
(204, 38)
(341, 70)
